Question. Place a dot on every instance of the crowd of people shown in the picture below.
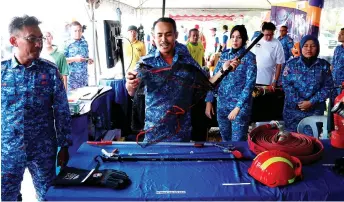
(36, 117)
(307, 80)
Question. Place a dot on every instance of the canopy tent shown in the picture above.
(201, 4)
(205, 17)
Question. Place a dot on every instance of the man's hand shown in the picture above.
(273, 84)
(90, 61)
(132, 82)
(233, 113)
(209, 110)
(63, 157)
(305, 105)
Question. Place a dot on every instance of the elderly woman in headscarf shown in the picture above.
(234, 100)
(306, 82)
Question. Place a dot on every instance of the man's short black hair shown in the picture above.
(268, 26)
(18, 23)
(284, 27)
(193, 30)
(168, 20)
(342, 29)
(225, 27)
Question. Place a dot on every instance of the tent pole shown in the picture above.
(94, 42)
(163, 7)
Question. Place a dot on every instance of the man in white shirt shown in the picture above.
(269, 55)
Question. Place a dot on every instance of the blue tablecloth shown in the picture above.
(192, 180)
(118, 87)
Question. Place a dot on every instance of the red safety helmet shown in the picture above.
(275, 168)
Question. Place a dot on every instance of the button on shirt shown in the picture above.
(31, 99)
(268, 55)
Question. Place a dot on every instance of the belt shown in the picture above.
(264, 138)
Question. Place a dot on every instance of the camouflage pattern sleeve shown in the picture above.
(251, 75)
(323, 93)
(288, 83)
(210, 94)
(61, 113)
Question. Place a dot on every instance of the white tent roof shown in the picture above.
(205, 4)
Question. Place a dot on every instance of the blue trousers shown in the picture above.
(42, 170)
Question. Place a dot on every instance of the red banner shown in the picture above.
(206, 17)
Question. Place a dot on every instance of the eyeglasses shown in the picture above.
(33, 39)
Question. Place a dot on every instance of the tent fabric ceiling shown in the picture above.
(201, 4)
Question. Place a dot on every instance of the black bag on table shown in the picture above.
(114, 179)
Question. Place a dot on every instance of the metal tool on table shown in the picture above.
(230, 149)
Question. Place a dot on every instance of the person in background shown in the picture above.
(195, 48)
(213, 42)
(224, 38)
(161, 100)
(201, 37)
(306, 82)
(153, 47)
(185, 35)
(296, 50)
(255, 34)
(134, 50)
(270, 56)
(198, 118)
(52, 54)
(212, 62)
(286, 41)
(338, 63)
(77, 56)
(287, 44)
(35, 116)
(234, 100)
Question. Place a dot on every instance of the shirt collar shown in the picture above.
(15, 63)
(179, 49)
(316, 62)
(54, 49)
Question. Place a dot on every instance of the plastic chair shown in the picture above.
(311, 121)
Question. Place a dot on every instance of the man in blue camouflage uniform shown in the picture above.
(338, 63)
(160, 101)
(306, 83)
(35, 117)
(287, 44)
(235, 91)
(76, 53)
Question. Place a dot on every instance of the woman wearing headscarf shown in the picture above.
(235, 91)
(306, 82)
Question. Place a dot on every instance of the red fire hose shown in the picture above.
(265, 138)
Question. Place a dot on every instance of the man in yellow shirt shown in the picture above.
(134, 50)
(195, 48)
